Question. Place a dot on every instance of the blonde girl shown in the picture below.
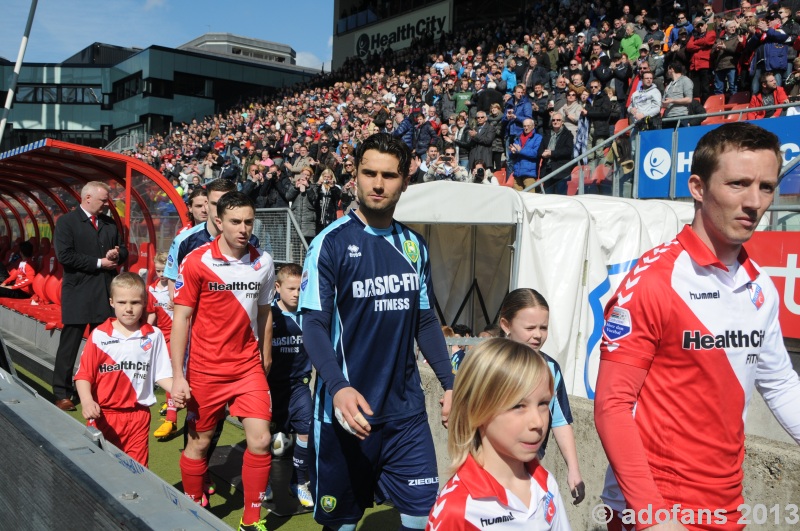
(497, 424)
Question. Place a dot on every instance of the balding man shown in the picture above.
(89, 248)
(525, 155)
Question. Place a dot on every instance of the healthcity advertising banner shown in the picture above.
(657, 164)
(397, 32)
(777, 253)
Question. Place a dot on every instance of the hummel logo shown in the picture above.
(354, 252)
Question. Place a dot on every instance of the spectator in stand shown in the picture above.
(495, 121)
(630, 43)
(482, 138)
(509, 75)
(597, 111)
(424, 135)
(724, 58)
(653, 33)
(534, 73)
(645, 107)
(525, 155)
(446, 167)
(699, 46)
(541, 106)
(462, 141)
(303, 197)
(770, 54)
(555, 150)
(327, 200)
(480, 174)
(572, 112)
(518, 108)
(770, 94)
(792, 83)
(791, 27)
(678, 94)
(682, 23)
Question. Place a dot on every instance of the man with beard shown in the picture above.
(367, 285)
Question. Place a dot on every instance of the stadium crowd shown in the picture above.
(461, 102)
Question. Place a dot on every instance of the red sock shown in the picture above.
(255, 474)
(192, 473)
(172, 411)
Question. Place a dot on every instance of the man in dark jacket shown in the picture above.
(423, 135)
(598, 110)
(482, 138)
(89, 248)
(555, 151)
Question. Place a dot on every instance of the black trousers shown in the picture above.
(9, 293)
(67, 352)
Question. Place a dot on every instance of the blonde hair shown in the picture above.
(160, 258)
(128, 280)
(496, 375)
(448, 332)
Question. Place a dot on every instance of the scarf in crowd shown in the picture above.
(581, 139)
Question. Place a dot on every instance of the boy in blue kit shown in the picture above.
(366, 295)
(290, 375)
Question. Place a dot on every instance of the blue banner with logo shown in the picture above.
(656, 162)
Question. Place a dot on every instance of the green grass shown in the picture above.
(227, 503)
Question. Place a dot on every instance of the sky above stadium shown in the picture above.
(61, 28)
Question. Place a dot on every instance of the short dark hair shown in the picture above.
(26, 249)
(739, 136)
(462, 330)
(677, 67)
(220, 185)
(386, 143)
(518, 300)
(288, 271)
(233, 199)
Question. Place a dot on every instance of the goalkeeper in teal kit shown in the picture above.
(366, 295)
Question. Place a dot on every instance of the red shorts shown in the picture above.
(128, 430)
(247, 397)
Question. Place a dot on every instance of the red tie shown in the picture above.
(94, 221)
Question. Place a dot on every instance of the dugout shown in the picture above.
(40, 182)
(487, 240)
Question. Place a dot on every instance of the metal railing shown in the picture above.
(128, 141)
(563, 169)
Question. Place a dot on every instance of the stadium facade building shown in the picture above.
(364, 28)
(104, 91)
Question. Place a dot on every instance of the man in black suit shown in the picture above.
(555, 151)
(89, 248)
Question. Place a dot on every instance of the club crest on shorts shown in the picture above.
(328, 503)
(411, 250)
(146, 343)
(756, 294)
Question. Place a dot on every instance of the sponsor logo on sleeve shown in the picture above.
(179, 282)
(619, 324)
(304, 281)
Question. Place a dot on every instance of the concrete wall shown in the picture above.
(771, 468)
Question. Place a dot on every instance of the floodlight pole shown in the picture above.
(17, 67)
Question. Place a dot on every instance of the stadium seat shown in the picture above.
(578, 173)
(738, 99)
(601, 173)
(742, 115)
(620, 125)
(714, 120)
(715, 103)
(52, 286)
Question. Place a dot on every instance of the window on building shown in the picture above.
(92, 95)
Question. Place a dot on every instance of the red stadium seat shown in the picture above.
(601, 173)
(578, 173)
(739, 98)
(52, 287)
(715, 103)
(620, 125)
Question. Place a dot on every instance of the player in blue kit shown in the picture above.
(290, 375)
(366, 294)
